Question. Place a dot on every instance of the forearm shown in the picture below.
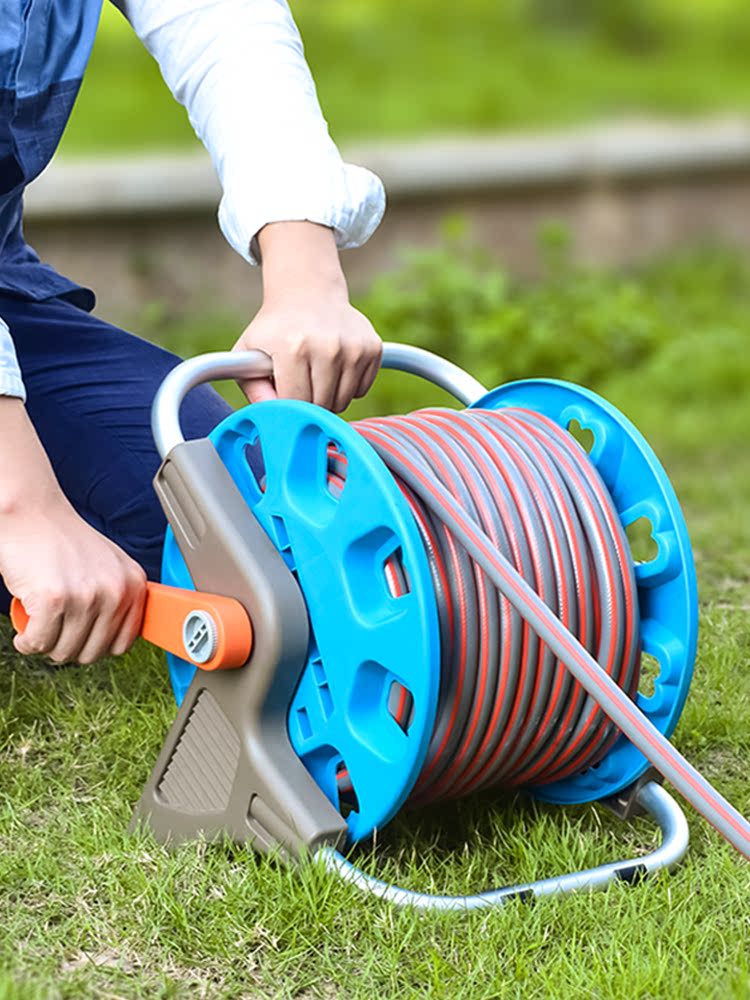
(299, 255)
(28, 482)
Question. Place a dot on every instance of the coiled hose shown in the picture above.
(532, 572)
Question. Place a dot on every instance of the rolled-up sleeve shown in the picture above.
(238, 67)
(11, 383)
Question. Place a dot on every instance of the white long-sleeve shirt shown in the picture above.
(239, 69)
(11, 383)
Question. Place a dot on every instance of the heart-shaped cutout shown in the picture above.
(643, 546)
(583, 435)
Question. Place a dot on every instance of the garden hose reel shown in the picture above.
(257, 753)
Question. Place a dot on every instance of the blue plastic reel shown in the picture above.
(363, 639)
(667, 589)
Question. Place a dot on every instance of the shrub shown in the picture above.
(656, 339)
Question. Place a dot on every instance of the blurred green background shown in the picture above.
(393, 68)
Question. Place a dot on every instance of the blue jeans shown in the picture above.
(90, 387)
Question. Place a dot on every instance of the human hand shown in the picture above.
(323, 349)
(84, 596)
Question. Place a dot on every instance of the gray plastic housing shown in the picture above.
(227, 768)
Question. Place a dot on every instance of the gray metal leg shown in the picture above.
(652, 797)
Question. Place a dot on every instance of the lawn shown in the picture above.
(88, 911)
(390, 68)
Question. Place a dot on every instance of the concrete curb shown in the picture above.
(178, 184)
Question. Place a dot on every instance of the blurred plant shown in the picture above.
(653, 339)
(458, 301)
(636, 24)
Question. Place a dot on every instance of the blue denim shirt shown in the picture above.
(44, 48)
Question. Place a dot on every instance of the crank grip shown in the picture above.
(211, 631)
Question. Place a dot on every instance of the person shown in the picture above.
(80, 527)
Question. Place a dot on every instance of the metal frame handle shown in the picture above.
(165, 412)
(657, 802)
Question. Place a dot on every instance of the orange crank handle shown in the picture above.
(211, 631)
(18, 617)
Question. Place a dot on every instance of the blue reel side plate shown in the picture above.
(667, 589)
(364, 640)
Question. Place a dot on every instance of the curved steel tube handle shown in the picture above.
(654, 799)
(165, 412)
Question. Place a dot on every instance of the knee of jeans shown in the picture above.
(138, 527)
(202, 410)
(135, 520)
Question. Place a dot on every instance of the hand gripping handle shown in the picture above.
(165, 413)
(211, 631)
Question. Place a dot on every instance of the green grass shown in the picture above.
(400, 67)
(87, 911)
